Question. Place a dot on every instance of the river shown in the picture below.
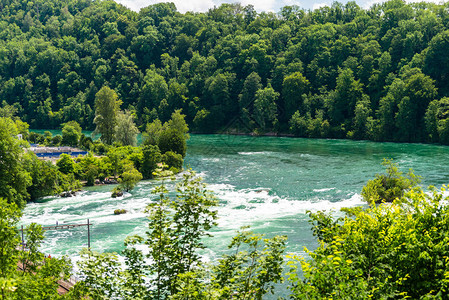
(267, 183)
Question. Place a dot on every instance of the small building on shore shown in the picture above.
(55, 152)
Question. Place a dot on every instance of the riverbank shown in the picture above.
(293, 136)
(245, 133)
(266, 183)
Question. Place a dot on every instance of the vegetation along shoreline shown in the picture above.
(337, 72)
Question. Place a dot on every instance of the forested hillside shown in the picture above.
(339, 71)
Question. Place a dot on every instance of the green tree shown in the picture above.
(97, 286)
(125, 130)
(176, 229)
(46, 180)
(218, 91)
(107, 105)
(129, 178)
(22, 128)
(56, 140)
(176, 97)
(8, 111)
(432, 121)
(436, 59)
(437, 118)
(388, 107)
(152, 132)
(9, 218)
(173, 160)
(203, 122)
(117, 158)
(14, 179)
(343, 102)
(251, 270)
(193, 216)
(91, 174)
(65, 164)
(151, 157)
(265, 109)
(171, 136)
(293, 88)
(178, 123)
(299, 124)
(172, 140)
(71, 133)
(419, 92)
(154, 90)
(48, 136)
(250, 87)
(362, 118)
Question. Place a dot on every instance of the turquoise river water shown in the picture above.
(267, 183)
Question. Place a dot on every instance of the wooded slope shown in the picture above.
(339, 71)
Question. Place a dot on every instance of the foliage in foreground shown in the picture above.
(171, 266)
(392, 250)
(251, 269)
(389, 251)
(38, 277)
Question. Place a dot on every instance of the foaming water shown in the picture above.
(254, 207)
(256, 153)
(266, 183)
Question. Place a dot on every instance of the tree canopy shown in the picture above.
(339, 71)
(107, 106)
(14, 179)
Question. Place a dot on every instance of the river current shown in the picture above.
(268, 183)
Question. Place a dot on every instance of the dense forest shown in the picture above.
(338, 71)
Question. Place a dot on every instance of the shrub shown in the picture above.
(151, 156)
(91, 174)
(56, 140)
(71, 133)
(100, 148)
(116, 192)
(172, 140)
(129, 179)
(389, 186)
(85, 142)
(387, 251)
(36, 138)
(173, 160)
(65, 164)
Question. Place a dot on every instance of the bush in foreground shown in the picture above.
(388, 251)
(392, 250)
(26, 274)
(171, 266)
(389, 186)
